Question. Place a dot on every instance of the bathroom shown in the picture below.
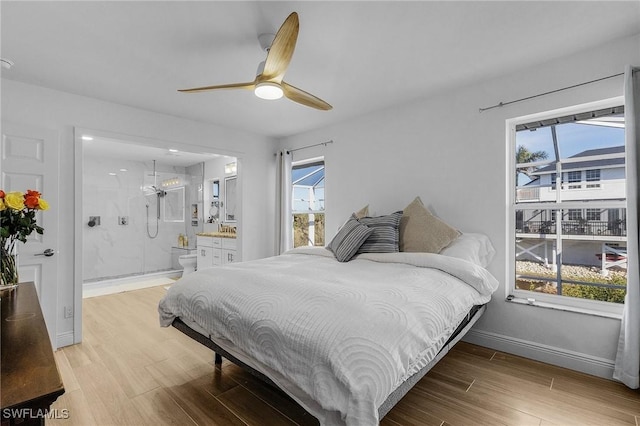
(142, 208)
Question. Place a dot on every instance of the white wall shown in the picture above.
(44, 108)
(453, 156)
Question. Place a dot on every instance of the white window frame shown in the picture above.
(574, 214)
(565, 303)
(593, 214)
(574, 176)
(592, 175)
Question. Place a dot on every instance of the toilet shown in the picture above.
(188, 262)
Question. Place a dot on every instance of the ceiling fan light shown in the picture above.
(268, 90)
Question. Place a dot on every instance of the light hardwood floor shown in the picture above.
(129, 370)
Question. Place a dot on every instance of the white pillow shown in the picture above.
(475, 248)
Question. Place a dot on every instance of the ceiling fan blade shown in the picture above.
(281, 50)
(250, 85)
(304, 98)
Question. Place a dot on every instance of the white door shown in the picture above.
(30, 161)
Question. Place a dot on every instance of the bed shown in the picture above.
(346, 340)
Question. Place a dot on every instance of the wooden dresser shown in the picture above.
(30, 381)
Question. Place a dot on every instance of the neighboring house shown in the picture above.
(593, 175)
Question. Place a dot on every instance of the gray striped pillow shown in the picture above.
(349, 239)
(385, 235)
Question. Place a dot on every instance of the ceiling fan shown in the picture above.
(269, 83)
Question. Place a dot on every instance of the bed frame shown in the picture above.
(474, 314)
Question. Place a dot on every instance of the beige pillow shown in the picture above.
(363, 212)
(421, 231)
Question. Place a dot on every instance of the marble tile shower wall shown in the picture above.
(114, 249)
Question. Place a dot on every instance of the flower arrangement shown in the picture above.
(17, 222)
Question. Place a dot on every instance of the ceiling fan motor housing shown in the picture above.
(266, 40)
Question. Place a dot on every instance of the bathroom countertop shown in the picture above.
(216, 234)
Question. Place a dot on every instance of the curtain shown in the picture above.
(284, 227)
(627, 366)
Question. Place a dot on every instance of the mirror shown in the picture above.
(174, 205)
(230, 199)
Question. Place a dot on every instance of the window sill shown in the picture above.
(558, 307)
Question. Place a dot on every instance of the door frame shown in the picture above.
(78, 132)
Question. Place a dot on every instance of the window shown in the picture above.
(572, 178)
(593, 214)
(593, 175)
(561, 235)
(575, 214)
(307, 178)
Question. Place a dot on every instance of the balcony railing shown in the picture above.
(528, 194)
(574, 227)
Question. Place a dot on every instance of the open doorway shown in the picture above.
(140, 204)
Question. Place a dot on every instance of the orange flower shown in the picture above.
(2, 194)
(32, 193)
(31, 201)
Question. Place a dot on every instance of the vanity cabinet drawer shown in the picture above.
(208, 241)
(228, 243)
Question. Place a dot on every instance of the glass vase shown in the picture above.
(9, 267)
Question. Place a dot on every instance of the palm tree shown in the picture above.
(523, 155)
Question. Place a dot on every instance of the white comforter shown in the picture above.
(337, 337)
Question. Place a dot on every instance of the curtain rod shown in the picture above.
(310, 146)
(501, 104)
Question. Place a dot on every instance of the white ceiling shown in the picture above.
(358, 56)
(105, 147)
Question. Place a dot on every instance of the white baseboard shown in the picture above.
(549, 354)
(136, 282)
(64, 339)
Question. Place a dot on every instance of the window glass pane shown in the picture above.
(582, 136)
(583, 275)
(578, 250)
(532, 146)
(308, 203)
(535, 251)
(593, 175)
(574, 176)
(535, 221)
(593, 214)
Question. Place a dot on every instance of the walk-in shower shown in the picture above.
(143, 205)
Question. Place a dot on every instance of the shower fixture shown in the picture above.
(159, 193)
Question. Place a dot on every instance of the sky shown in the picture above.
(572, 138)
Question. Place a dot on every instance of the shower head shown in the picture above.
(159, 192)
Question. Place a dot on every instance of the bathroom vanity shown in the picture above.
(215, 248)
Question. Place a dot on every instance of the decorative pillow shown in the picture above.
(363, 212)
(349, 239)
(421, 231)
(359, 215)
(475, 248)
(385, 236)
